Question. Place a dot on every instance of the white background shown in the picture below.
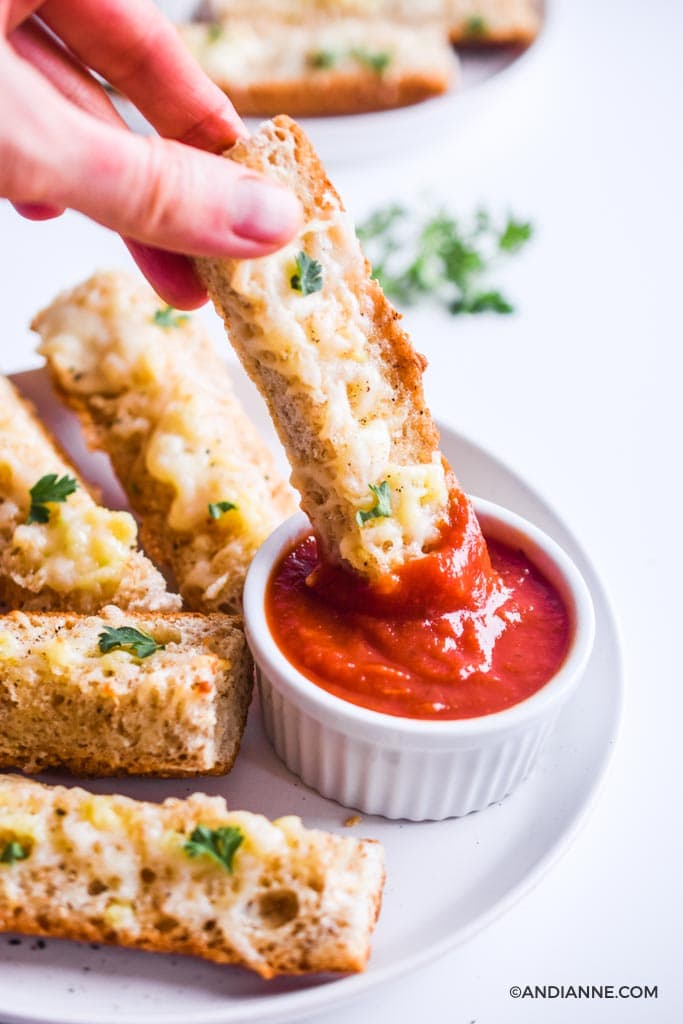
(581, 392)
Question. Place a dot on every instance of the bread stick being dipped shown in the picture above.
(339, 374)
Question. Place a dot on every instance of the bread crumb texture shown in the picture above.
(85, 556)
(111, 869)
(153, 393)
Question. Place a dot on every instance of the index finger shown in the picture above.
(141, 54)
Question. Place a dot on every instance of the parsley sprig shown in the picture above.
(219, 508)
(220, 844)
(49, 489)
(376, 61)
(476, 27)
(309, 275)
(127, 638)
(440, 257)
(12, 852)
(169, 317)
(322, 59)
(382, 507)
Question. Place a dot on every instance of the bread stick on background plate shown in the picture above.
(151, 391)
(121, 705)
(186, 876)
(76, 555)
(345, 66)
(341, 378)
(468, 21)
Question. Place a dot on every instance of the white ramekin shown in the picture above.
(400, 767)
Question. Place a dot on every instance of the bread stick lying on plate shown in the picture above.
(345, 66)
(59, 549)
(122, 693)
(152, 393)
(186, 876)
(342, 381)
(465, 21)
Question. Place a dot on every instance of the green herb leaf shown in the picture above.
(128, 639)
(169, 317)
(515, 235)
(476, 26)
(13, 851)
(441, 258)
(219, 843)
(47, 490)
(321, 59)
(309, 276)
(218, 508)
(381, 222)
(483, 302)
(382, 507)
(377, 62)
(214, 32)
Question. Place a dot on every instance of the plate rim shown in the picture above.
(301, 1005)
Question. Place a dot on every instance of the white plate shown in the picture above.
(360, 137)
(446, 880)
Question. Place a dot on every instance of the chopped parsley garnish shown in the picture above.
(128, 639)
(442, 258)
(309, 275)
(515, 234)
(214, 32)
(169, 317)
(50, 488)
(377, 62)
(219, 508)
(321, 59)
(476, 26)
(13, 851)
(220, 844)
(382, 507)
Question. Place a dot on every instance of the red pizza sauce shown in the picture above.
(461, 632)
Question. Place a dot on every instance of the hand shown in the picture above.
(62, 144)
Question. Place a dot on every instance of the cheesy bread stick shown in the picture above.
(345, 66)
(186, 876)
(465, 21)
(151, 391)
(122, 693)
(342, 381)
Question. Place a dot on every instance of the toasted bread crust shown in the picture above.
(333, 94)
(295, 901)
(179, 713)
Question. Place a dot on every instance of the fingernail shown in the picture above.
(264, 212)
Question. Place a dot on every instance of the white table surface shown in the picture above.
(580, 392)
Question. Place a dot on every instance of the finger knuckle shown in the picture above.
(161, 188)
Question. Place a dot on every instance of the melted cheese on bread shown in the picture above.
(81, 557)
